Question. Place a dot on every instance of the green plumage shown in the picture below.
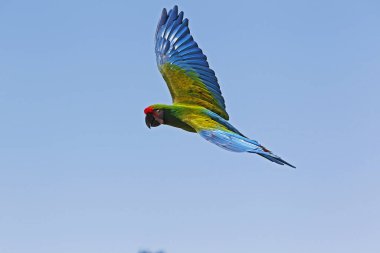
(187, 88)
(189, 117)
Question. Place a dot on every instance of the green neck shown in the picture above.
(173, 115)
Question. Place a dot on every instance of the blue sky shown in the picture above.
(80, 171)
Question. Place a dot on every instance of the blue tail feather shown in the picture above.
(237, 143)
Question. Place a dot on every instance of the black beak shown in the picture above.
(150, 121)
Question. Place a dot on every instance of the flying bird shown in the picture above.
(198, 105)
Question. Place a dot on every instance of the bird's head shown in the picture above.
(154, 116)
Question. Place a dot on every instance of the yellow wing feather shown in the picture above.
(187, 88)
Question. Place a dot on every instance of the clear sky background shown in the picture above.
(81, 173)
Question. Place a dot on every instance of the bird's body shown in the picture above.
(193, 118)
(198, 105)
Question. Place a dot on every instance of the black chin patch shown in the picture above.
(154, 123)
(150, 121)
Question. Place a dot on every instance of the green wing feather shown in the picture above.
(187, 88)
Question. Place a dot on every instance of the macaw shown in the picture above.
(198, 105)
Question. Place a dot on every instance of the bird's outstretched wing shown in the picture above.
(184, 66)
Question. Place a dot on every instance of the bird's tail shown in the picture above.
(238, 143)
(276, 159)
(266, 153)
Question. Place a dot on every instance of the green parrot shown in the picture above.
(198, 105)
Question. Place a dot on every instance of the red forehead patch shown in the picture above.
(148, 110)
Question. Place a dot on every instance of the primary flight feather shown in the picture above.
(198, 105)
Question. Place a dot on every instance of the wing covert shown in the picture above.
(184, 66)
